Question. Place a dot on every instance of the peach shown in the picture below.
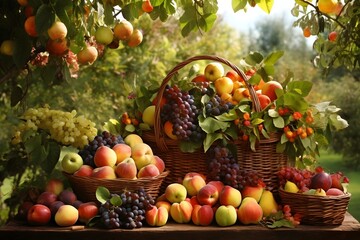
(30, 26)
(123, 30)
(57, 30)
(208, 195)
(193, 181)
(105, 156)
(58, 47)
(66, 215)
(225, 216)
(193, 200)
(87, 211)
(105, 172)
(218, 184)
(123, 151)
(46, 198)
(55, 186)
(149, 170)
(159, 163)
(334, 192)
(157, 216)
(249, 212)
(162, 197)
(166, 204)
(142, 154)
(230, 196)
(87, 55)
(175, 192)
(254, 192)
(132, 139)
(269, 89)
(67, 196)
(223, 85)
(181, 211)
(84, 171)
(126, 169)
(202, 215)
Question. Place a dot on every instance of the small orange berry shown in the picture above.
(306, 32)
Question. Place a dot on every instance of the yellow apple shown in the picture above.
(214, 71)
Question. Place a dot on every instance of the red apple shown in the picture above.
(269, 89)
(249, 212)
(334, 192)
(39, 215)
(218, 184)
(208, 195)
(87, 211)
(321, 180)
(230, 196)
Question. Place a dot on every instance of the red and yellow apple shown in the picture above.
(123, 30)
(181, 212)
(157, 216)
(249, 212)
(126, 169)
(225, 215)
(334, 192)
(254, 192)
(84, 171)
(264, 100)
(218, 184)
(230, 196)
(54, 185)
(202, 215)
(223, 85)
(269, 89)
(105, 156)
(122, 151)
(66, 215)
(175, 192)
(87, 55)
(39, 214)
(208, 195)
(105, 172)
(142, 154)
(87, 211)
(193, 181)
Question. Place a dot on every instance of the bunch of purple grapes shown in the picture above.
(216, 106)
(103, 139)
(223, 166)
(130, 213)
(180, 109)
(301, 177)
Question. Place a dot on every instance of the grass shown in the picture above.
(332, 163)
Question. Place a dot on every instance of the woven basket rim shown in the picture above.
(309, 196)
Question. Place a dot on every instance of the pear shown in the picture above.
(268, 203)
(291, 187)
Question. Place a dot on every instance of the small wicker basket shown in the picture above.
(317, 210)
(85, 187)
(265, 160)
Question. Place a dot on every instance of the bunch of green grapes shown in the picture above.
(63, 127)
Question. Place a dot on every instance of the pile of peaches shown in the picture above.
(129, 160)
(204, 203)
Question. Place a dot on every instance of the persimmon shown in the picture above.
(57, 47)
(57, 30)
(135, 38)
(332, 36)
(147, 6)
(306, 32)
(30, 27)
(327, 6)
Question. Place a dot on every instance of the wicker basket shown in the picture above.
(265, 160)
(85, 187)
(317, 210)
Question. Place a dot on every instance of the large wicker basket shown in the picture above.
(265, 159)
(85, 187)
(317, 210)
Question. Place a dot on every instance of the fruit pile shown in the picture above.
(113, 158)
(317, 183)
(56, 205)
(203, 203)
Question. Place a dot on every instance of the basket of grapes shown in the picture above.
(108, 161)
(318, 197)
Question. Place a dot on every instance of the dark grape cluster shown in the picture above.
(130, 213)
(103, 139)
(180, 109)
(216, 106)
(301, 177)
(223, 166)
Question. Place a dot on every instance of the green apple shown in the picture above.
(71, 162)
(104, 35)
(214, 71)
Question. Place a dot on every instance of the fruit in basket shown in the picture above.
(132, 139)
(213, 71)
(39, 214)
(71, 162)
(291, 187)
(208, 194)
(230, 196)
(54, 185)
(66, 215)
(319, 192)
(122, 151)
(240, 94)
(142, 154)
(199, 78)
(159, 163)
(268, 203)
(193, 181)
(321, 180)
(264, 100)
(157, 216)
(67, 196)
(105, 156)
(254, 192)
(84, 171)
(223, 85)
(225, 215)
(338, 179)
(181, 212)
(149, 170)
(234, 76)
(249, 212)
(148, 115)
(334, 192)
(126, 169)
(87, 211)
(168, 129)
(269, 89)
(46, 198)
(105, 172)
(202, 215)
(175, 192)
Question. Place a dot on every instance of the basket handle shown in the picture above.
(159, 137)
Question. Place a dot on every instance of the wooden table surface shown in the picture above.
(349, 230)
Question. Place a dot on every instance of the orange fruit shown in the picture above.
(123, 30)
(30, 27)
(57, 30)
(327, 6)
(307, 32)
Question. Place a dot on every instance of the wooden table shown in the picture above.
(349, 230)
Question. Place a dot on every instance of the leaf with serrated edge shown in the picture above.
(102, 194)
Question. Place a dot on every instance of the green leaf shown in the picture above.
(115, 200)
(132, 128)
(273, 113)
(102, 194)
(53, 154)
(208, 22)
(266, 5)
(303, 88)
(211, 125)
(227, 116)
(186, 146)
(337, 122)
(45, 16)
(32, 143)
(306, 142)
(238, 4)
(256, 121)
(108, 14)
(272, 58)
(38, 155)
(279, 122)
(16, 95)
(187, 28)
(254, 58)
(280, 223)
(210, 139)
(295, 102)
(23, 48)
